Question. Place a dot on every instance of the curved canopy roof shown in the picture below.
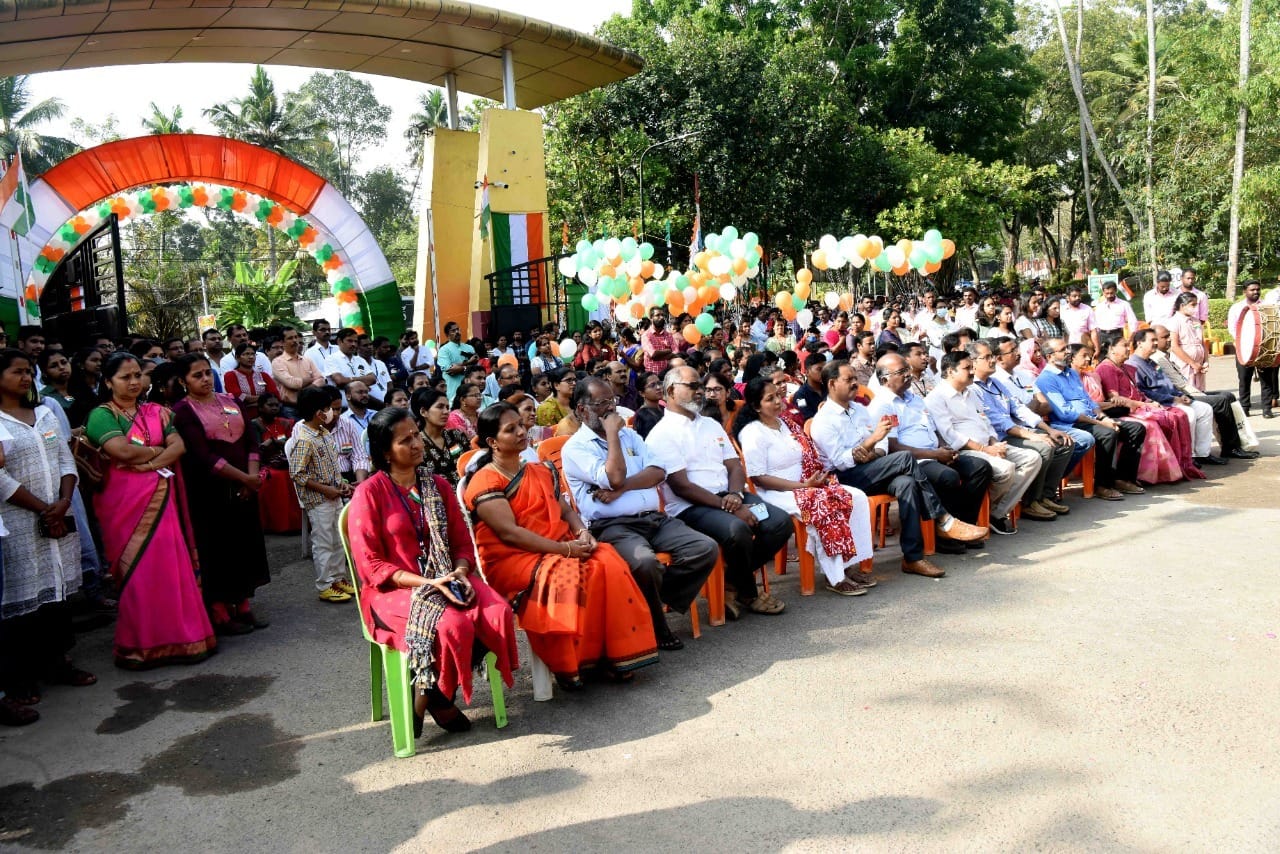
(418, 40)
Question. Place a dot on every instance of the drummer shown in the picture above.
(1267, 377)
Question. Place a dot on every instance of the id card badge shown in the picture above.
(760, 511)
(422, 566)
(166, 473)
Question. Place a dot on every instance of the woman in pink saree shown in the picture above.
(145, 531)
(1166, 451)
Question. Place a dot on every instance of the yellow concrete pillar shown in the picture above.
(446, 228)
(511, 153)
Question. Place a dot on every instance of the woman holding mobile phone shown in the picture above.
(783, 466)
(415, 563)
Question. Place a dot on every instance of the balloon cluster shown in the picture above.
(924, 256)
(245, 205)
(622, 275)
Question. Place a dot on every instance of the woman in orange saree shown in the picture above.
(576, 598)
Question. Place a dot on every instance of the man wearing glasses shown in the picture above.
(705, 490)
(857, 450)
(1075, 414)
(615, 485)
(1018, 426)
(960, 481)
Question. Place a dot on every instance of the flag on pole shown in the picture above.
(695, 242)
(486, 215)
(16, 212)
(517, 239)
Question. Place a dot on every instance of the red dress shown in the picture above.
(277, 502)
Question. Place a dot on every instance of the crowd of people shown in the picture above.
(678, 459)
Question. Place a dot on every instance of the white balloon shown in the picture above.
(857, 260)
(568, 266)
(804, 317)
(896, 258)
(828, 244)
(846, 247)
(738, 248)
(728, 292)
(622, 313)
(738, 281)
(658, 272)
(567, 348)
(831, 300)
(752, 272)
(612, 247)
(720, 265)
(588, 277)
(835, 260)
(633, 266)
(690, 294)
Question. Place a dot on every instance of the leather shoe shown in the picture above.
(1056, 506)
(964, 532)
(947, 546)
(1036, 510)
(1210, 460)
(1267, 413)
(1242, 454)
(1127, 488)
(922, 567)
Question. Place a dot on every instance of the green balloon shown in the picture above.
(431, 344)
(881, 262)
(660, 296)
(590, 302)
(934, 254)
(730, 234)
(798, 303)
(646, 251)
(681, 282)
(705, 323)
(917, 258)
(751, 241)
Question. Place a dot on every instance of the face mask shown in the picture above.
(326, 417)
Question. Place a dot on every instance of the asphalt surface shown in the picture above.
(1104, 681)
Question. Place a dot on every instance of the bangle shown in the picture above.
(568, 550)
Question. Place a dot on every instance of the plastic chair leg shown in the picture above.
(694, 628)
(400, 695)
(495, 688)
(542, 680)
(928, 535)
(1089, 465)
(984, 512)
(715, 593)
(780, 562)
(806, 561)
(375, 680)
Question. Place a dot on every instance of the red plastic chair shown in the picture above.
(1086, 468)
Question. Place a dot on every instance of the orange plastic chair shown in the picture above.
(1086, 468)
(550, 450)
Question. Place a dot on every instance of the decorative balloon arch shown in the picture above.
(190, 171)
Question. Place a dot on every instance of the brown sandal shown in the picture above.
(766, 603)
(13, 713)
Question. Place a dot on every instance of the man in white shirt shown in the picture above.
(615, 485)
(415, 357)
(1077, 319)
(237, 335)
(321, 350)
(1157, 303)
(857, 451)
(1113, 314)
(960, 482)
(705, 489)
(381, 375)
(346, 365)
(1267, 377)
(967, 311)
(962, 423)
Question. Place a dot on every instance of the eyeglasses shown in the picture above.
(598, 404)
(990, 357)
(897, 373)
(714, 389)
(691, 386)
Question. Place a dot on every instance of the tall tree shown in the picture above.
(160, 122)
(19, 127)
(1237, 170)
(1151, 138)
(264, 119)
(348, 115)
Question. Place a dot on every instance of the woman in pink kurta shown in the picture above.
(1187, 339)
(402, 521)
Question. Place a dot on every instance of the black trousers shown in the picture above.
(1128, 438)
(1267, 379)
(745, 548)
(639, 538)
(33, 646)
(961, 485)
(897, 474)
(1223, 417)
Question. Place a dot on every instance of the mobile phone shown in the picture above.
(458, 590)
(760, 511)
(893, 420)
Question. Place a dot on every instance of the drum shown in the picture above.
(1258, 336)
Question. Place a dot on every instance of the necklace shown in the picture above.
(508, 475)
(226, 419)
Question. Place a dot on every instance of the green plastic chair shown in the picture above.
(393, 665)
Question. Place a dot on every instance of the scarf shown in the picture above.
(826, 508)
(428, 604)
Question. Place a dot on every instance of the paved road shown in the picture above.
(1105, 681)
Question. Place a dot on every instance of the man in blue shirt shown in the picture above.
(454, 358)
(1075, 414)
(1017, 425)
(615, 486)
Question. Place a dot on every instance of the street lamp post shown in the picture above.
(642, 154)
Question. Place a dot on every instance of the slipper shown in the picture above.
(13, 713)
(570, 683)
(732, 609)
(669, 643)
(71, 675)
(619, 677)
(765, 603)
(28, 696)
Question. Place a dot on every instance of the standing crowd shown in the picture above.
(588, 496)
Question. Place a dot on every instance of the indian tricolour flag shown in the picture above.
(16, 213)
(517, 239)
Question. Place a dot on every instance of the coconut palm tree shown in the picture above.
(263, 119)
(432, 113)
(19, 119)
(160, 122)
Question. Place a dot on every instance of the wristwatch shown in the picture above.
(741, 497)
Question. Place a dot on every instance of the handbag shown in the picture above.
(91, 462)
